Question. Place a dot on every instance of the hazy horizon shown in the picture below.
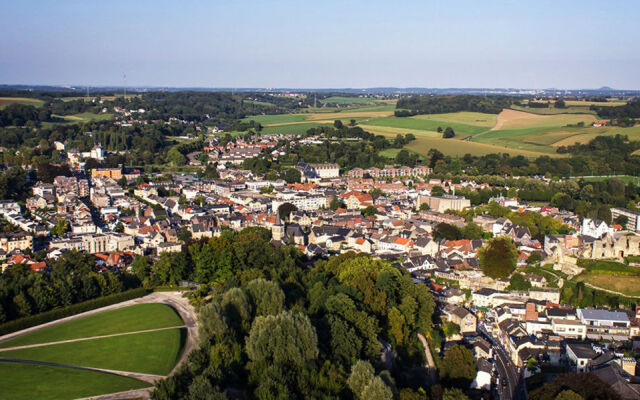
(283, 44)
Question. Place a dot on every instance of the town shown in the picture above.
(517, 322)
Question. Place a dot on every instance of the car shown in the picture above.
(504, 383)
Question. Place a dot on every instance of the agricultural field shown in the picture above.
(348, 100)
(144, 338)
(81, 117)
(5, 101)
(517, 131)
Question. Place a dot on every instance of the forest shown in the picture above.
(432, 104)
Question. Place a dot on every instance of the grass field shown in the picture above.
(151, 353)
(628, 285)
(5, 101)
(129, 319)
(28, 382)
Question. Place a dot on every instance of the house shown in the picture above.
(169, 248)
(594, 228)
(482, 380)
(604, 324)
(580, 355)
(461, 317)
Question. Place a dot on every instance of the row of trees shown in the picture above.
(73, 278)
(430, 104)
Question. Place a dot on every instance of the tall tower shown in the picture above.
(277, 231)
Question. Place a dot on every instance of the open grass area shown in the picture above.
(628, 285)
(5, 101)
(151, 353)
(608, 267)
(129, 319)
(28, 382)
(275, 119)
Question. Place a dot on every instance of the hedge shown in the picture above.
(57, 313)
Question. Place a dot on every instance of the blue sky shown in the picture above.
(541, 44)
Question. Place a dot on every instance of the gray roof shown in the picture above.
(595, 314)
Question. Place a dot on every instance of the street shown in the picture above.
(515, 388)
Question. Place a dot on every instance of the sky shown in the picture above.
(321, 44)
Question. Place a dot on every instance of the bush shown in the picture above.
(58, 313)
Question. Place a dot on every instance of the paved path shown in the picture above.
(431, 365)
(29, 346)
(172, 299)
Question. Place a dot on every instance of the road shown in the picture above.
(515, 388)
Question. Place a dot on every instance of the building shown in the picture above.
(604, 324)
(444, 203)
(113, 173)
(10, 241)
(319, 171)
(633, 218)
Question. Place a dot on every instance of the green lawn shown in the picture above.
(29, 382)
(150, 353)
(129, 319)
(581, 109)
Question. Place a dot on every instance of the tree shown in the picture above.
(622, 220)
(284, 339)
(472, 231)
(448, 133)
(184, 234)
(560, 104)
(338, 124)
(369, 211)
(447, 231)
(498, 257)
(568, 395)
(175, 157)
(285, 210)
(454, 394)
(335, 203)
(291, 175)
(437, 191)
(266, 297)
(212, 322)
(587, 385)
(458, 367)
(496, 210)
(562, 200)
(532, 365)
(377, 390)
(451, 329)
(518, 282)
(424, 207)
(61, 227)
(362, 374)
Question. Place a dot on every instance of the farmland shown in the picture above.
(519, 130)
(5, 101)
(143, 338)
